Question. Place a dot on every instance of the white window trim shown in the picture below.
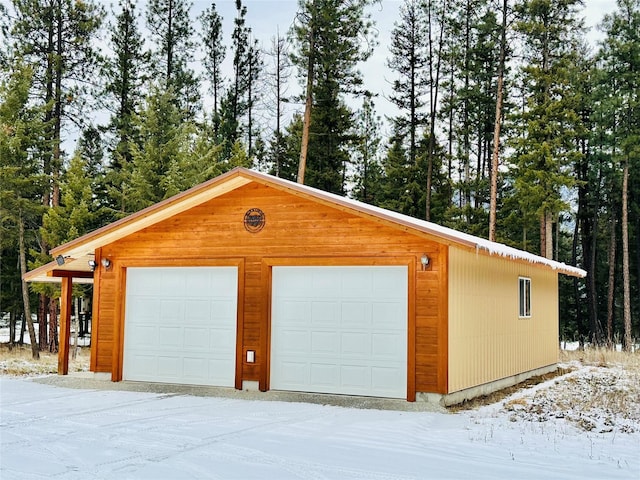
(522, 309)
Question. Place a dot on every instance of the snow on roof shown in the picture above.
(455, 236)
(239, 176)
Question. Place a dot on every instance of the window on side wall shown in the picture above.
(524, 288)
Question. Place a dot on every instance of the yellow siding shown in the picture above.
(487, 339)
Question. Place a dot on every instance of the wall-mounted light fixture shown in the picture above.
(92, 264)
(60, 260)
(106, 263)
(424, 260)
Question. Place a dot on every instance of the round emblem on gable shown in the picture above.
(254, 220)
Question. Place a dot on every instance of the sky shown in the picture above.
(265, 17)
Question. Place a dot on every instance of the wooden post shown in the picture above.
(65, 325)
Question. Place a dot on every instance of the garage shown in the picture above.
(340, 330)
(180, 325)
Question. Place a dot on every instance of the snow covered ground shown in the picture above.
(547, 431)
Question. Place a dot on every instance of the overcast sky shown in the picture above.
(266, 17)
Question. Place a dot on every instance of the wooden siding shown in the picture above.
(297, 231)
(487, 339)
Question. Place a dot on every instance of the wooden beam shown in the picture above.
(70, 274)
(65, 325)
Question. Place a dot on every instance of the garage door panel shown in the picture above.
(171, 310)
(356, 284)
(175, 332)
(356, 378)
(221, 340)
(170, 338)
(293, 312)
(326, 314)
(384, 315)
(195, 368)
(324, 342)
(322, 283)
(356, 324)
(386, 378)
(293, 342)
(196, 339)
(384, 347)
(199, 284)
(356, 315)
(220, 308)
(295, 374)
(197, 310)
(144, 308)
(144, 335)
(325, 374)
(356, 345)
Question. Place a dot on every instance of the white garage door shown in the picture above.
(340, 330)
(180, 325)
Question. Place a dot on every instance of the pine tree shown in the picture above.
(277, 77)
(331, 37)
(436, 13)
(546, 146)
(171, 30)
(124, 76)
(409, 61)
(620, 54)
(214, 57)
(57, 38)
(368, 171)
(288, 150)
(20, 185)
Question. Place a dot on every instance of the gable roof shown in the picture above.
(77, 252)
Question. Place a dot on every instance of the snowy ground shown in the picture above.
(550, 431)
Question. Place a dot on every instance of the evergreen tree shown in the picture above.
(400, 188)
(331, 36)
(124, 77)
(277, 77)
(409, 61)
(161, 127)
(620, 54)
(171, 29)
(473, 57)
(57, 38)
(21, 129)
(368, 171)
(214, 57)
(288, 150)
(549, 124)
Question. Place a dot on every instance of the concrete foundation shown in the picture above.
(455, 398)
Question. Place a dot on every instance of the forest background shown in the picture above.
(501, 118)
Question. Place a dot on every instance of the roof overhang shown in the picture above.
(76, 268)
(78, 252)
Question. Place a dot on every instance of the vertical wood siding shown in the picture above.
(296, 228)
(487, 339)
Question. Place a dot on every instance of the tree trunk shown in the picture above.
(12, 328)
(626, 344)
(53, 325)
(493, 200)
(576, 289)
(43, 330)
(57, 111)
(612, 279)
(76, 324)
(302, 166)
(434, 83)
(25, 289)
